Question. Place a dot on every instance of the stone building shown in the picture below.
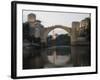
(84, 24)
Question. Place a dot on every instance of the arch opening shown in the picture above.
(58, 37)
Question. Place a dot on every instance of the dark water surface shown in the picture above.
(57, 56)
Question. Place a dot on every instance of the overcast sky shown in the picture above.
(56, 18)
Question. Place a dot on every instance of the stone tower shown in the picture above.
(74, 32)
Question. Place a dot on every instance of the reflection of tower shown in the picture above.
(54, 44)
(54, 57)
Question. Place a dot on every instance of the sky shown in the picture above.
(56, 18)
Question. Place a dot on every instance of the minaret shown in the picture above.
(54, 35)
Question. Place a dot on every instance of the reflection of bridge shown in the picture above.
(71, 31)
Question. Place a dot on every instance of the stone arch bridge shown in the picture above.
(71, 31)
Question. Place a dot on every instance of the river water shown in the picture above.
(57, 56)
(67, 56)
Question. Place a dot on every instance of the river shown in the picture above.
(57, 56)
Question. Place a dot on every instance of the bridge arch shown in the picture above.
(49, 29)
(58, 31)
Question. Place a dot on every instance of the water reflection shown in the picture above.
(57, 56)
(58, 59)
